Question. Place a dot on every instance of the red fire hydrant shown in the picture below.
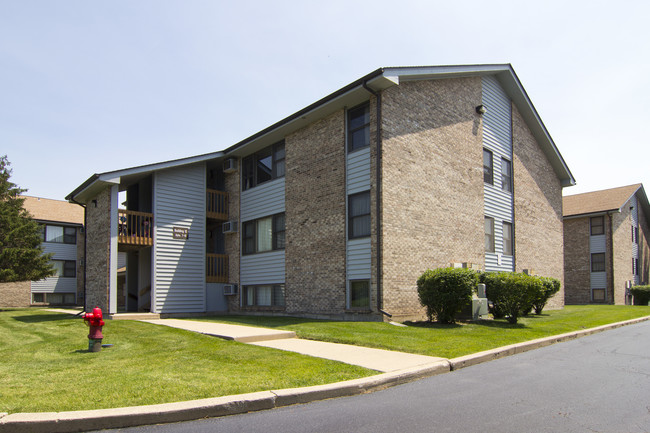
(95, 322)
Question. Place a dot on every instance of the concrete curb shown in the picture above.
(80, 421)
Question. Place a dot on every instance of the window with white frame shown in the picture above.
(59, 234)
(488, 167)
(265, 295)
(489, 235)
(507, 239)
(506, 175)
(263, 234)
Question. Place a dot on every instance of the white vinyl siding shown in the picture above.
(497, 138)
(55, 285)
(179, 264)
(263, 200)
(358, 171)
(358, 259)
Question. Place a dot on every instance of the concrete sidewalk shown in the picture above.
(374, 359)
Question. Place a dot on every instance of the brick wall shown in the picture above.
(98, 237)
(432, 184)
(577, 265)
(232, 240)
(315, 217)
(644, 248)
(538, 209)
(18, 294)
(622, 253)
(80, 267)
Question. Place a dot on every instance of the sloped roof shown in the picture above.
(45, 209)
(607, 200)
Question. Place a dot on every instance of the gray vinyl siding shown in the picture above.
(497, 138)
(259, 202)
(358, 251)
(263, 200)
(61, 251)
(598, 244)
(55, 285)
(263, 268)
(358, 171)
(179, 264)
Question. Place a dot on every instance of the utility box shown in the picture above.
(480, 291)
(479, 309)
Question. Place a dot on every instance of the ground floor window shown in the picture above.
(263, 296)
(360, 294)
(598, 295)
(54, 298)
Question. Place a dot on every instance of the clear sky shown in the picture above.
(94, 86)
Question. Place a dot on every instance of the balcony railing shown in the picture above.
(216, 269)
(217, 204)
(134, 228)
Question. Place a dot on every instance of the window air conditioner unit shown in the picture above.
(229, 227)
(230, 165)
(229, 289)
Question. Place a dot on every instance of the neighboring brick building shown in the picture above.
(606, 249)
(336, 210)
(62, 229)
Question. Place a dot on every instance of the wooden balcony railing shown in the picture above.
(217, 204)
(216, 269)
(134, 228)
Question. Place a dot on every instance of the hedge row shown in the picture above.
(444, 292)
(641, 295)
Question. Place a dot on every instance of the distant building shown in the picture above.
(337, 210)
(606, 248)
(62, 231)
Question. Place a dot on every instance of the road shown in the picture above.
(599, 383)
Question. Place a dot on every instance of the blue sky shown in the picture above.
(94, 86)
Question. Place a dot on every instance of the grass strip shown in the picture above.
(45, 365)
(446, 341)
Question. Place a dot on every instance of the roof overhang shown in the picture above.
(99, 181)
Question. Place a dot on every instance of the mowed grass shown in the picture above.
(447, 341)
(45, 365)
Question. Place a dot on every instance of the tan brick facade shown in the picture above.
(537, 209)
(98, 238)
(432, 182)
(315, 218)
(232, 240)
(16, 294)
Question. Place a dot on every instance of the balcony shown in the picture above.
(216, 205)
(135, 229)
(216, 268)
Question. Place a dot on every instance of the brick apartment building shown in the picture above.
(62, 230)
(606, 249)
(336, 210)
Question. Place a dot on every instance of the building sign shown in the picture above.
(180, 232)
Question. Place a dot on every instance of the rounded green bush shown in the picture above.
(641, 294)
(444, 292)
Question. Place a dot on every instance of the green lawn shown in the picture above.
(45, 365)
(447, 341)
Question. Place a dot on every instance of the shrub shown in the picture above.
(444, 292)
(641, 294)
(549, 287)
(511, 294)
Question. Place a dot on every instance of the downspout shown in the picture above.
(85, 245)
(377, 95)
(611, 256)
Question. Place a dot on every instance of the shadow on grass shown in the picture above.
(500, 324)
(37, 318)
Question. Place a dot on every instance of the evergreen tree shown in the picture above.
(21, 256)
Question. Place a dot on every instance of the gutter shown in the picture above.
(377, 95)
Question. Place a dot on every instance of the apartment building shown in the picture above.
(336, 210)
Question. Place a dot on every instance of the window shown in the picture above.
(597, 225)
(64, 268)
(635, 267)
(59, 234)
(635, 235)
(263, 296)
(360, 294)
(598, 262)
(488, 168)
(507, 238)
(359, 215)
(598, 295)
(506, 175)
(359, 127)
(263, 234)
(489, 235)
(263, 166)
